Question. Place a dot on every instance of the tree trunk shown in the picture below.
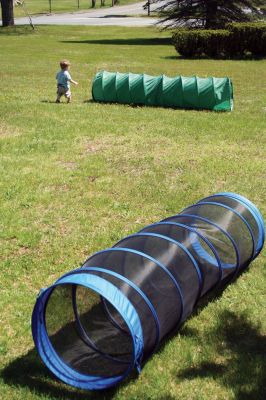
(211, 11)
(102, 3)
(93, 3)
(7, 12)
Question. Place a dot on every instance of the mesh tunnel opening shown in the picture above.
(84, 338)
(98, 322)
(146, 311)
(80, 345)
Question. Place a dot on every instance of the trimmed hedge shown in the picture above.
(248, 37)
(195, 43)
(236, 41)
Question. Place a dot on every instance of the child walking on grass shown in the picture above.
(64, 79)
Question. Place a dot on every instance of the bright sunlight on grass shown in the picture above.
(75, 178)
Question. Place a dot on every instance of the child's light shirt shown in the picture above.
(63, 78)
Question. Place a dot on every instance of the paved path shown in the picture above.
(118, 15)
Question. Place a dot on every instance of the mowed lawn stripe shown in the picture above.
(75, 178)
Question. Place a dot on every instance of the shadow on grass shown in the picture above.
(29, 372)
(16, 30)
(48, 101)
(243, 347)
(71, 345)
(144, 106)
(89, 101)
(133, 42)
(247, 57)
(183, 329)
(115, 16)
(235, 341)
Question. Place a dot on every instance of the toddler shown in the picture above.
(63, 78)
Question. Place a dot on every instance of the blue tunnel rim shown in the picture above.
(208, 243)
(48, 353)
(236, 267)
(64, 366)
(234, 212)
(110, 317)
(253, 210)
(134, 286)
(40, 334)
(159, 264)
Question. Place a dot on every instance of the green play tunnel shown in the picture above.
(211, 93)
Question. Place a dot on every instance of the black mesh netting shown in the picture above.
(241, 209)
(97, 349)
(197, 247)
(223, 244)
(108, 316)
(153, 280)
(175, 259)
(231, 223)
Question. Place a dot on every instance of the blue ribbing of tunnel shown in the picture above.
(198, 218)
(97, 323)
(49, 356)
(171, 241)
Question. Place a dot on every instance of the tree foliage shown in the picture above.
(208, 14)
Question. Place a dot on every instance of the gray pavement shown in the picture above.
(127, 15)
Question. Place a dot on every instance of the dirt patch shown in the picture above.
(92, 178)
(58, 188)
(93, 148)
(68, 165)
(102, 144)
(22, 250)
(8, 131)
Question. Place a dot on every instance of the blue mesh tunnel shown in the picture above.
(97, 323)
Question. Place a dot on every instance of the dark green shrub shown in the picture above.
(198, 42)
(248, 37)
(214, 42)
(238, 40)
(186, 43)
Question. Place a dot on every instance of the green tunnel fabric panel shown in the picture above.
(180, 92)
(122, 88)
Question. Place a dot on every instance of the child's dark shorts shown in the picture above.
(62, 91)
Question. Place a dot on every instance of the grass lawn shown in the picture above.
(75, 178)
(42, 6)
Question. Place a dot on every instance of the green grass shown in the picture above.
(75, 178)
(42, 6)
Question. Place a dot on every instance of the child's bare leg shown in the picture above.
(68, 95)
